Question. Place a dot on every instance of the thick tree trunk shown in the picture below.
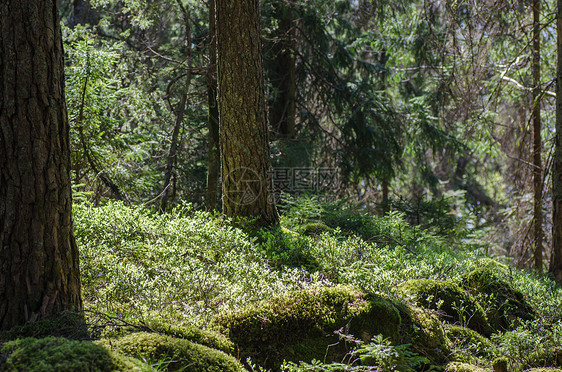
(556, 258)
(537, 140)
(282, 112)
(244, 146)
(39, 272)
(213, 166)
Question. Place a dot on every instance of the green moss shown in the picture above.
(456, 305)
(500, 364)
(462, 367)
(300, 325)
(543, 358)
(313, 228)
(493, 265)
(468, 345)
(423, 330)
(176, 354)
(504, 305)
(66, 324)
(192, 333)
(544, 370)
(61, 354)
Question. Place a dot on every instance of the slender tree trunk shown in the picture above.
(172, 154)
(556, 257)
(213, 167)
(537, 143)
(282, 113)
(39, 270)
(244, 146)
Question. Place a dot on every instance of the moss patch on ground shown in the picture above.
(66, 324)
(455, 304)
(468, 345)
(60, 354)
(192, 333)
(300, 325)
(505, 307)
(463, 367)
(309, 324)
(173, 353)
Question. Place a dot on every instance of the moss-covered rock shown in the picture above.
(468, 345)
(542, 358)
(463, 367)
(300, 325)
(60, 354)
(192, 333)
(505, 306)
(174, 353)
(500, 364)
(455, 305)
(314, 228)
(422, 329)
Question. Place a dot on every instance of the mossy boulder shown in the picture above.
(547, 357)
(504, 305)
(423, 330)
(455, 305)
(61, 354)
(314, 228)
(467, 345)
(174, 353)
(463, 367)
(300, 325)
(192, 333)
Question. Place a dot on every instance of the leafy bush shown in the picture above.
(183, 266)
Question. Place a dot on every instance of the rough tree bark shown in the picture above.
(556, 257)
(244, 146)
(39, 272)
(537, 140)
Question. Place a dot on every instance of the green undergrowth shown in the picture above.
(330, 287)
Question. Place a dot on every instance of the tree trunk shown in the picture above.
(213, 166)
(537, 143)
(39, 271)
(244, 146)
(556, 258)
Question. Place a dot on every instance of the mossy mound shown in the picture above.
(543, 358)
(456, 305)
(60, 354)
(173, 353)
(313, 228)
(424, 332)
(469, 344)
(65, 324)
(544, 370)
(192, 333)
(504, 305)
(300, 325)
(463, 367)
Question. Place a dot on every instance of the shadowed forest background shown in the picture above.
(419, 107)
(407, 216)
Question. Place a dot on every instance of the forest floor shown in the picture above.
(330, 289)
